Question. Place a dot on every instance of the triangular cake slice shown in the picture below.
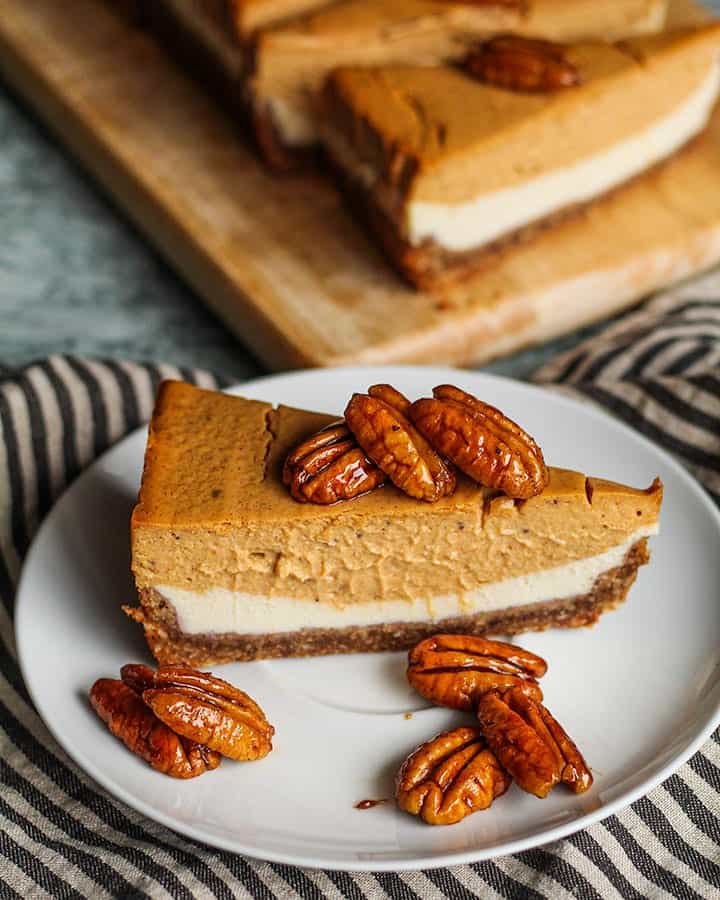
(229, 567)
(291, 60)
(447, 166)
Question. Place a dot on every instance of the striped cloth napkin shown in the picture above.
(62, 836)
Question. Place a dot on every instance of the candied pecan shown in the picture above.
(378, 421)
(137, 676)
(456, 669)
(481, 441)
(523, 64)
(450, 777)
(131, 720)
(574, 770)
(209, 710)
(330, 466)
(390, 395)
(517, 745)
(531, 744)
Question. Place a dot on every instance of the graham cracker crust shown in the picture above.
(170, 645)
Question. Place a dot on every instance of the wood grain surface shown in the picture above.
(280, 260)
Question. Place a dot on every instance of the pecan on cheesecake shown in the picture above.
(292, 60)
(230, 566)
(448, 165)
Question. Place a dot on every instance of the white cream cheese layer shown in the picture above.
(221, 611)
(486, 218)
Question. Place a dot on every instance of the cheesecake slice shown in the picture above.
(229, 567)
(447, 168)
(292, 60)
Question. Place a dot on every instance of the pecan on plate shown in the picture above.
(137, 676)
(330, 466)
(481, 441)
(450, 777)
(379, 421)
(522, 64)
(531, 744)
(455, 670)
(131, 720)
(207, 709)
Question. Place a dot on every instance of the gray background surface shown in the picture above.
(76, 277)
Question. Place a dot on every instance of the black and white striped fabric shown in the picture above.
(62, 836)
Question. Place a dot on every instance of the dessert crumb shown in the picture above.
(408, 715)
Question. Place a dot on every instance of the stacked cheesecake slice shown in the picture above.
(457, 129)
(447, 164)
(271, 57)
(292, 60)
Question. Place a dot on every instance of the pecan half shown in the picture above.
(379, 422)
(455, 670)
(450, 777)
(128, 718)
(531, 744)
(482, 442)
(207, 709)
(330, 466)
(137, 676)
(523, 64)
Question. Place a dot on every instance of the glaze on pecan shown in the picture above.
(131, 720)
(574, 771)
(450, 777)
(138, 676)
(455, 670)
(330, 466)
(481, 441)
(531, 744)
(207, 709)
(379, 422)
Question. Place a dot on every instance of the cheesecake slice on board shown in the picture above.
(450, 165)
(229, 567)
(291, 61)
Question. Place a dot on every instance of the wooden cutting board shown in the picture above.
(281, 261)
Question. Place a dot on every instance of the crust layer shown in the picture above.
(170, 645)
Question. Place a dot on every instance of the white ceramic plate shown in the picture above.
(639, 692)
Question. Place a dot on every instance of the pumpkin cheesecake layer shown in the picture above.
(292, 60)
(448, 165)
(227, 563)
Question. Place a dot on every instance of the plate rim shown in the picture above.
(419, 862)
